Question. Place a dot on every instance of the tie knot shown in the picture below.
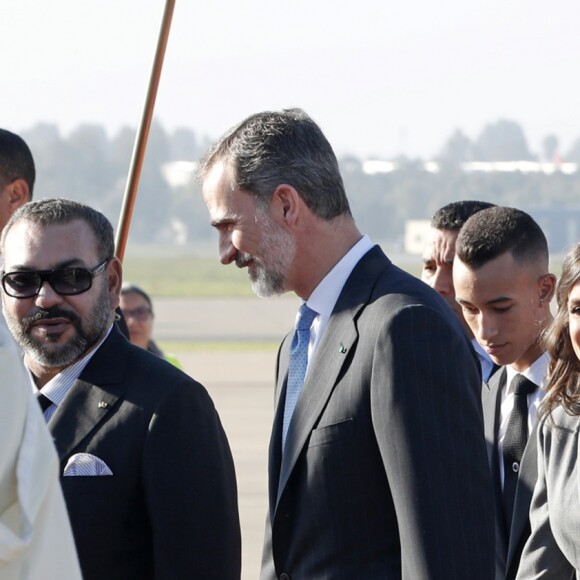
(305, 317)
(522, 385)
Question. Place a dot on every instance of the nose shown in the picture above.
(487, 329)
(227, 250)
(442, 281)
(47, 297)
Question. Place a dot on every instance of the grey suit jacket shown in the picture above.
(553, 548)
(509, 544)
(169, 511)
(384, 473)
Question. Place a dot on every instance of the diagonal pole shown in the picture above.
(140, 146)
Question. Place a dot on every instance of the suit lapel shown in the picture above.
(491, 402)
(526, 482)
(92, 397)
(338, 341)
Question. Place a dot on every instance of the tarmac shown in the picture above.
(241, 383)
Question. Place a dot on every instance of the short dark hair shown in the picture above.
(452, 217)
(48, 212)
(271, 148)
(492, 232)
(16, 160)
(128, 288)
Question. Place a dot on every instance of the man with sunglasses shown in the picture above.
(147, 472)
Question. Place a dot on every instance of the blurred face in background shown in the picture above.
(437, 269)
(139, 318)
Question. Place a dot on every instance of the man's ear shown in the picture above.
(18, 194)
(547, 285)
(115, 279)
(285, 204)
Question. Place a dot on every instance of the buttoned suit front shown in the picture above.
(384, 471)
(169, 509)
(509, 543)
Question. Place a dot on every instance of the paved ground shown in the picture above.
(241, 385)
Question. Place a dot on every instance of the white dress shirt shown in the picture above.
(535, 373)
(324, 297)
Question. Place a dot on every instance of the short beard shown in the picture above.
(276, 250)
(86, 336)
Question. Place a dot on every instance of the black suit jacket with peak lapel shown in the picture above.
(169, 511)
(384, 473)
(509, 543)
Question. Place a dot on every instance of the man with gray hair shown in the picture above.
(147, 472)
(370, 473)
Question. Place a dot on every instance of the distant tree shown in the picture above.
(502, 141)
(458, 149)
(574, 152)
(183, 145)
(550, 146)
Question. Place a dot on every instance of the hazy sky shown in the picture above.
(379, 76)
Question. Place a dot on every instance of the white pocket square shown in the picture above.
(86, 464)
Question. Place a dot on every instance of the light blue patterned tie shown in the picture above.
(298, 363)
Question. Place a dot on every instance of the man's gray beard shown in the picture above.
(95, 325)
(277, 250)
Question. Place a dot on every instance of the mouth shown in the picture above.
(493, 349)
(51, 326)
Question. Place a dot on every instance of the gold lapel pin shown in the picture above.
(103, 405)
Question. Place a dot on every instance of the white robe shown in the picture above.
(36, 541)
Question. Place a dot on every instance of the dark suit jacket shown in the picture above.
(509, 544)
(169, 511)
(384, 473)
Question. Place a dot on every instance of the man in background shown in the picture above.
(17, 174)
(371, 475)
(504, 287)
(147, 472)
(438, 258)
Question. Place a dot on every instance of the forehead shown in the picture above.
(501, 277)
(574, 295)
(133, 299)
(441, 245)
(43, 247)
(223, 200)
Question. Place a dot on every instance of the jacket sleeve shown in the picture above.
(190, 489)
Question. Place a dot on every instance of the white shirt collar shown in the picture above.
(536, 372)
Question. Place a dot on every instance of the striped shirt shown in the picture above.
(57, 388)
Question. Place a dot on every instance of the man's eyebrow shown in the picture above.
(71, 263)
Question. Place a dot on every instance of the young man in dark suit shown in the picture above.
(504, 287)
(377, 464)
(147, 473)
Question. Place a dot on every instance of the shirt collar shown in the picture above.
(57, 388)
(536, 372)
(325, 295)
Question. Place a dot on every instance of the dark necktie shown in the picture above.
(43, 401)
(298, 364)
(515, 441)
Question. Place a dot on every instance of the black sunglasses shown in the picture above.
(64, 281)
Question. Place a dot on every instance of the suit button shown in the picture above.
(515, 466)
(285, 576)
